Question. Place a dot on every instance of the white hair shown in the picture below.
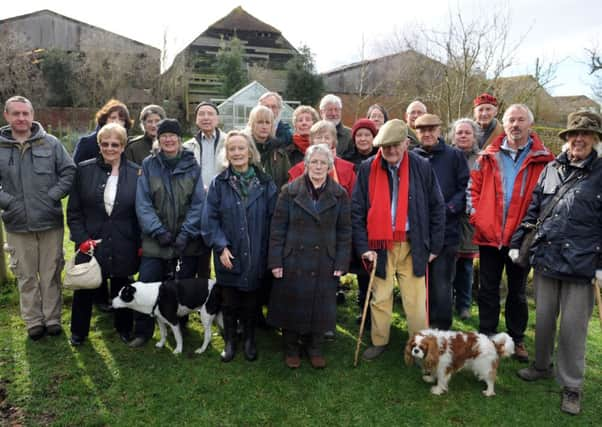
(520, 107)
(318, 149)
(415, 103)
(331, 99)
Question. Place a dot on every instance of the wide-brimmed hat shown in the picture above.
(427, 120)
(392, 132)
(582, 120)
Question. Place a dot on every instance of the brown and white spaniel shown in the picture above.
(444, 352)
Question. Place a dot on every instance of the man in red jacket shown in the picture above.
(499, 193)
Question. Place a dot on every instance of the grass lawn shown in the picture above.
(106, 383)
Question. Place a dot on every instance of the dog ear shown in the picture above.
(431, 359)
(409, 359)
(127, 293)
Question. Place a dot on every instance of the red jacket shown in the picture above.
(345, 173)
(485, 198)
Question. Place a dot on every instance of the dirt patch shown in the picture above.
(9, 415)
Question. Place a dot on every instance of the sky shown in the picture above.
(556, 31)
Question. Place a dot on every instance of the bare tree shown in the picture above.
(595, 69)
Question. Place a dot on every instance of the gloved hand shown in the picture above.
(513, 255)
(140, 252)
(165, 238)
(87, 246)
(180, 244)
(599, 278)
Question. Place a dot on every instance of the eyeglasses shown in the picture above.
(112, 145)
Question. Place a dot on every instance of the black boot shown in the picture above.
(229, 338)
(249, 334)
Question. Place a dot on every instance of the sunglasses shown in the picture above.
(112, 145)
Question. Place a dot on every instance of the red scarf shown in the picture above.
(380, 231)
(301, 141)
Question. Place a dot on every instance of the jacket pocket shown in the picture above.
(15, 211)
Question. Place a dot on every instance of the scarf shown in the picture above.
(244, 180)
(380, 232)
(301, 142)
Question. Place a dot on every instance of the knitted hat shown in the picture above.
(169, 126)
(392, 132)
(485, 98)
(363, 124)
(427, 120)
(582, 121)
(210, 104)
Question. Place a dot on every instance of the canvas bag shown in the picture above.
(86, 275)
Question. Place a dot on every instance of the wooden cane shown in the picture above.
(368, 292)
(598, 300)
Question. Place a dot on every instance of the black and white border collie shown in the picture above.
(169, 300)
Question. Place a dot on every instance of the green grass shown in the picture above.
(106, 383)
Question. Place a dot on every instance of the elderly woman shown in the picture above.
(304, 118)
(378, 115)
(102, 207)
(463, 135)
(310, 246)
(140, 147)
(565, 255)
(324, 132)
(240, 203)
(362, 135)
(282, 130)
(169, 204)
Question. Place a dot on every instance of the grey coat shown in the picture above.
(34, 177)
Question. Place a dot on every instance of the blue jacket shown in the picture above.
(426, 213)
(86, 148)
(241, 225)
(170, 200)
(452, 172)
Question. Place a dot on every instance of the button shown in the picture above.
(317, 248)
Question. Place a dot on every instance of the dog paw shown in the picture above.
(177, 351)
(437, 390)
(488, 393)
(428, 379)
(160, 344)
(200, 350)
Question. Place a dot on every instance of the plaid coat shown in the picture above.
(309, 242)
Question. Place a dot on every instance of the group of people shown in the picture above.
(285, 212)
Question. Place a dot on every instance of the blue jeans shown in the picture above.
(441, 274)
(463, 284)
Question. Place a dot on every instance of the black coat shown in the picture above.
(568, 244)
(242, 225)
(426, 214)
(86, 148)
(309, 242)
(88, 219)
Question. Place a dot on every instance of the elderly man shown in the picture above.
(414, 110)
(451, 169)
(282, 130)
(331, 108)
(35, 174)
(484, 112)
(398, 214)
(140, 147)
(498, 195)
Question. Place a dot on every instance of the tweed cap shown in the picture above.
(484, 98)
(169, 126)
(427, 120)
(582, 121)
(393, 132)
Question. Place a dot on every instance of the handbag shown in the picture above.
(86, 275)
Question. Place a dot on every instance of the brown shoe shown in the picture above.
(293, 361)
(317, 362)
(520, 353)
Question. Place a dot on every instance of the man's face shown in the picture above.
(272, 103)
(393, 153)
(150, 124)
(206, 119)
(484, 114)
(19, 116)
(332, 113)
(428, 135)
(516, 126)
(414, 111)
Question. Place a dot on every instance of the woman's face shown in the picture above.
(581, 144)
(464, 137)
(363, 140)
(325, 138)
(169, 144)
(150, 124)
(318, 167)
(377, 117)
(303, 123)
(237, 152)
(262, 129)
(115, 117)
(111, 148)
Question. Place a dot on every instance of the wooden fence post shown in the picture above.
(2, 256)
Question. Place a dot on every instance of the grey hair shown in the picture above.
(454, 126)
(416, 102)
(318, 149)
(151, 109)
(519, 106)
(275, 95)
(17, 98)
(254, 156)
(331, 99)
(323, 126)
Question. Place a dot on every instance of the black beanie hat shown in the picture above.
(169, 126)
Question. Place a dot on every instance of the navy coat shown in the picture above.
(309, 242)
(86, 148)
(241, 225)
(87, 218)
(426, 213)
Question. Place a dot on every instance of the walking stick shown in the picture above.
(598, 300)
(362, 324)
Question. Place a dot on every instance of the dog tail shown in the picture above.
(504, 345)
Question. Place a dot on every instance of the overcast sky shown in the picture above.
(556, 30)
